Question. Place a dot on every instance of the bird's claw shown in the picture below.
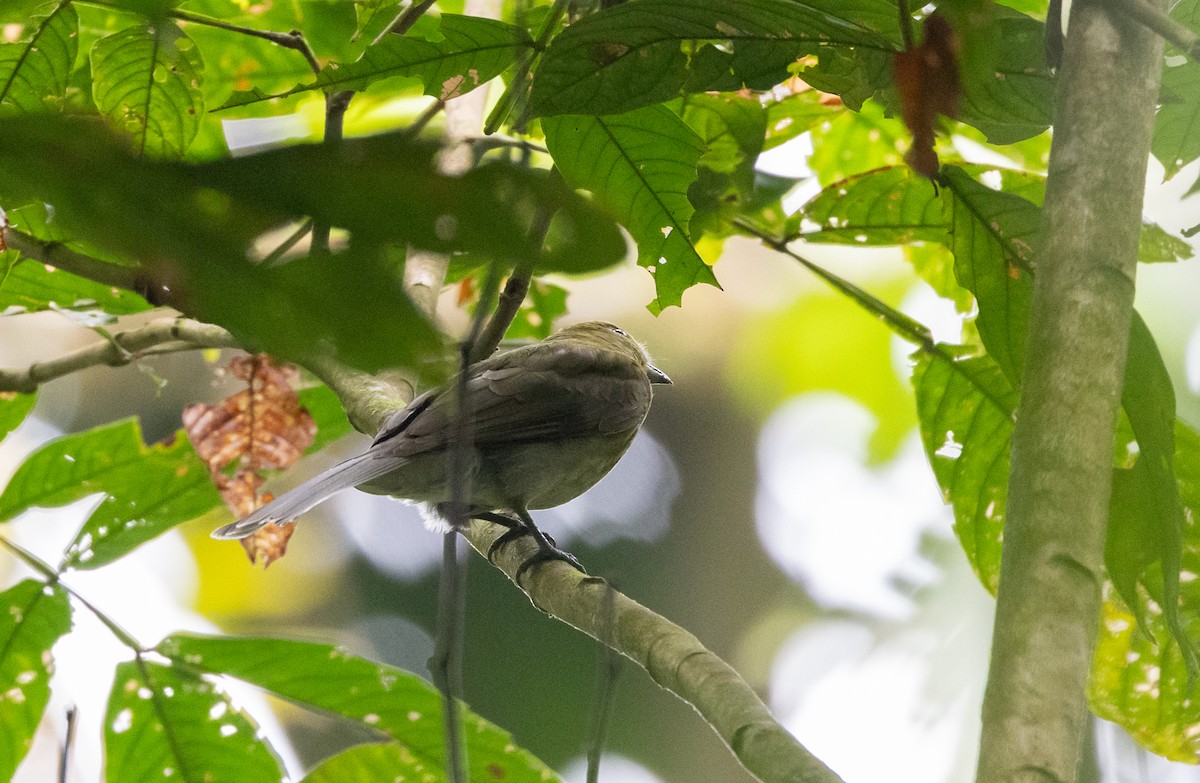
(547, 548)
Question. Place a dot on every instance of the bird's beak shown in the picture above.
(656, 375)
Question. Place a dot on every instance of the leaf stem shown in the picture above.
(54, 577)
(404, 20)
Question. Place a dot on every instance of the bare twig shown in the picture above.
(290, 40)
(404, 20)
(336, 105)
(164, 335)
(608, 667)
(64, 759)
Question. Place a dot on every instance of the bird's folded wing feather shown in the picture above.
(540, 393)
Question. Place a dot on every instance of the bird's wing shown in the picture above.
(539, 393)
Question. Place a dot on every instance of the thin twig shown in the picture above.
(513, 294)
(301, 231)
(415, 127)
(446, 665)
(291, 40)
(64, 759)
(159, 336)
(608, 667)
(1157, 21)
(522, 72)
(404, 20)
(336, 105)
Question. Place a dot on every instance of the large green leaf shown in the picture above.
(381, 697)
(1139, 678)
(33, 616)
(1009, 96)
(966, 407)
(35, 71)
(146, 79)
(148, 489)
(165, 723)
(635, 54)
(14, 408)
(639, 165)
(195, 226)
(451, 55)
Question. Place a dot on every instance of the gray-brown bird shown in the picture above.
(547, 421)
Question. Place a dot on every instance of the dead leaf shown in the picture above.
(928, 80)
(263, 427)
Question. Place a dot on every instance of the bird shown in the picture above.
(546, 421)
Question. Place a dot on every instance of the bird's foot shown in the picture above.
(547, 548)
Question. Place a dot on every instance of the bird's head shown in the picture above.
(607, 337)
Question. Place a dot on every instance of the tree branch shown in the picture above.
(674, 658)
(165, 335)
(59, 256)
(1048, 605)
(1156, 19)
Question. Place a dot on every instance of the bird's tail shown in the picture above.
(291, 504)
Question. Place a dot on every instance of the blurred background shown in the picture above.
(777, 505)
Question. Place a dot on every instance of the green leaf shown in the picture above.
(1156, 245)
(372, 763)
(992, 237)
(855, 142)
(148, 490)
(1175, 141)
(30, 286)
(195, 226)
(36, 70)
(1158, 519)
(890, 206)
(639, 165)
(164, 723)
(966, 408)
(545, 303)
(1009, 99)
(33, 616)
(146, 80)
(633, 54)
(795, 115)
(451, 58)
(393, 701)
(327, 413)
(14, 408)
(1139, 679)
(731, 127)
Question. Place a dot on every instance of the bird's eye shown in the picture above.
(619, 331)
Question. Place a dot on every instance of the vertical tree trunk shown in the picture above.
(1035, 710)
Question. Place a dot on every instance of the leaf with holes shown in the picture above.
(147, 489)
(14, 408)
(384, 698)
(966, 407)
(36, 70)
(32, 618)
(639, 165)
(146, 80)
(165, 723)
(633, 54)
